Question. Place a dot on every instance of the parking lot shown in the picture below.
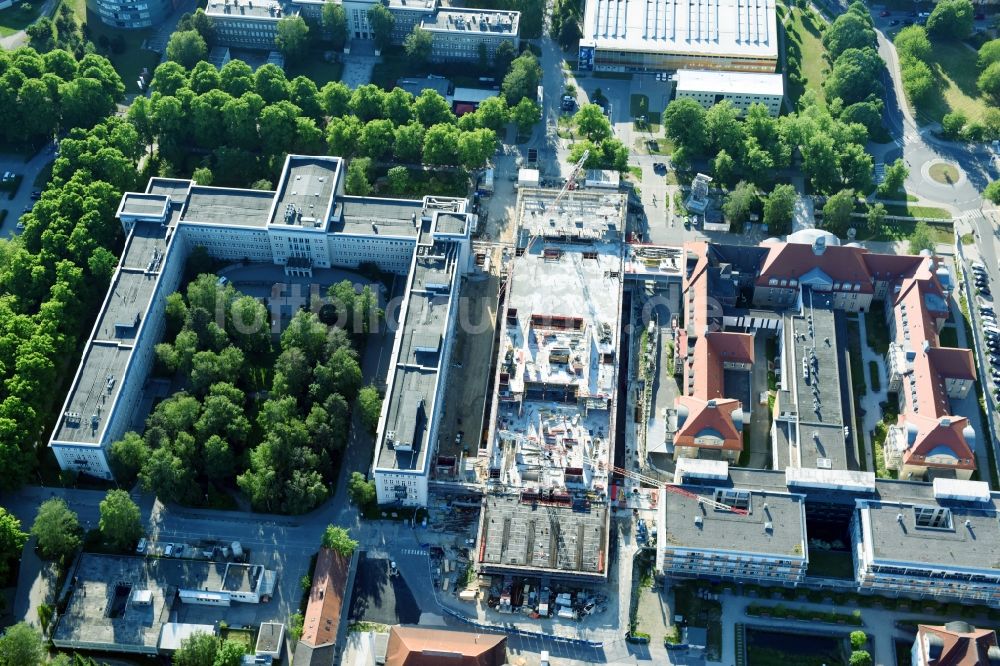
(28, 169)
(979, 280)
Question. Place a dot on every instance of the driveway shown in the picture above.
(29, 167)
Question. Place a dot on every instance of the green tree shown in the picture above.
(779, 207)
(523, 78)
(236, 78)
(12, 540)
(120, 523)
(493, 113)
(875, 217)
(408, 146)
(376, 139)
(202, 176)
(357, 177)
(525, 114)
(339, 539)
(848, 31)
(270, 83)
(592, 123)
(953, 123)
(503, 57)
(860, 658)
(476, 147)
(335, 24)
(418, 45)
(382, 22)
(370, 404)
(837, 212)
(360, 490)
(127, 457)
(343, 135)
(432, 109)
(989, 53)
(855, 76)
(42, 34)
(951, 19)
(199, 649)
(892, 182)
(684, 123)
(368, 102)
(921, 239)
(292, 38)
(740, 203)
(21, 645)
(989, 81)
(912, 41)
(399, 179)
(186, 48)
(858, 639)
(724, 168)
(56, 528)
(398, 106)
(230, 653)
(441, 144)
(918, 80)
(992, 192)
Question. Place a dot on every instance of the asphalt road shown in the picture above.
(29, 169)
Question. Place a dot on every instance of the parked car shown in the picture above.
(885, 12)
(140, 548)
(36, 195)
(168, 550)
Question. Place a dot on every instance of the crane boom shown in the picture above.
(670, 487)
(571, 179)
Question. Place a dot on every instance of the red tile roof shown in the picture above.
(709, 418)
(938, 436)
(417, 646)
(793, 260)
(956, 644)
(326, 598)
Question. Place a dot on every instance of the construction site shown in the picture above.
(550, 444)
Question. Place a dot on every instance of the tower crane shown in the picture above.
(670, 487)
(571, 180)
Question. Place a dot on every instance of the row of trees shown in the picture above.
(757, 146)
(44, 94)
(854, 86)
(54, 275)
(249, 120)
(229, 427)
(65, 32)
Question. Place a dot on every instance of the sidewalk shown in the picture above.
(871, 400)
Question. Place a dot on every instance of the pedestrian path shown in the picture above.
(414, 551)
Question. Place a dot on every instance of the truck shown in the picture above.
(486, 183)
(237, 550)
(567, 613)
(467, 595)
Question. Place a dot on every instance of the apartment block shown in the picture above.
(131, 14)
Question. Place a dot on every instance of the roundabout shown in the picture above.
(943, 173)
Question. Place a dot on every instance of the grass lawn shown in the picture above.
(946, 174)
(896, 230)
(130, 62)
(314, 67)
(876, 382)
(638, 105)
(773, 648)
(18, 17)
(803, 39)
(244, 636)
(636, 172)
(954, 66)
(918, 211)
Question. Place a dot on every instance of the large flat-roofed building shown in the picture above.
(907, 539)
(457, 33)
(307, 223)
(407, 431)
(124, 604)
(551, 436)
(743, 89)
(460, 34)
(131, 14)
(946, 544)
(634, 36)
(767, 542)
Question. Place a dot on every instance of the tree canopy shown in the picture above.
(186, 48)
(951, 19)
(339, 539)
(121, 522)
(56, 528)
